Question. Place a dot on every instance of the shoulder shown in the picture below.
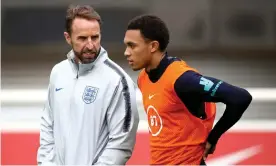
(116, 72)
(180, 67)
(59, 67)
(176, 69)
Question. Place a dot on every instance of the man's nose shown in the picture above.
(90, 44)
(126, 53)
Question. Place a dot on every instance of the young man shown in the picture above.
(178, 100)
(90, 117)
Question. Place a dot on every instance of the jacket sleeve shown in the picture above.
(122, 121)
(45, 153)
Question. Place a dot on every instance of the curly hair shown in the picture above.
(152, 28)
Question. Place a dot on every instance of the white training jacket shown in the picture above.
(91, 116)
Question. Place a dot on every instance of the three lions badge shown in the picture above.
(89, 94)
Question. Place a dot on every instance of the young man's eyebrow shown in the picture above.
(130, 43)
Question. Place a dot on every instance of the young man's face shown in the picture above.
(85, 39)
(137, 50)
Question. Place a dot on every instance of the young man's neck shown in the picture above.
(155, 61)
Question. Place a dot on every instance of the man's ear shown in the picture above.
(154, 46)
(67, 37)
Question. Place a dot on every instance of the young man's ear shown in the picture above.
(154, 46)
(67, 37)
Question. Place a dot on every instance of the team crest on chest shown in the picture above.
(89, 94)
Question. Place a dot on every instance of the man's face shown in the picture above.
(138, 50)
(85, 39)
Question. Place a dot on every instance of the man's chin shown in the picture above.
(134, 68)
(88, 60)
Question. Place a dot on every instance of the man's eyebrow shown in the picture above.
(97, 35)
(129, 43)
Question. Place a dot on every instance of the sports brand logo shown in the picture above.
(58, 89)
(151, 96)
(89, 94)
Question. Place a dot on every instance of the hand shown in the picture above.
(209, 149)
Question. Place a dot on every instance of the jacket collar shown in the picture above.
(80, 68)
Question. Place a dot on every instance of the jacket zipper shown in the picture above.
(71, 101)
